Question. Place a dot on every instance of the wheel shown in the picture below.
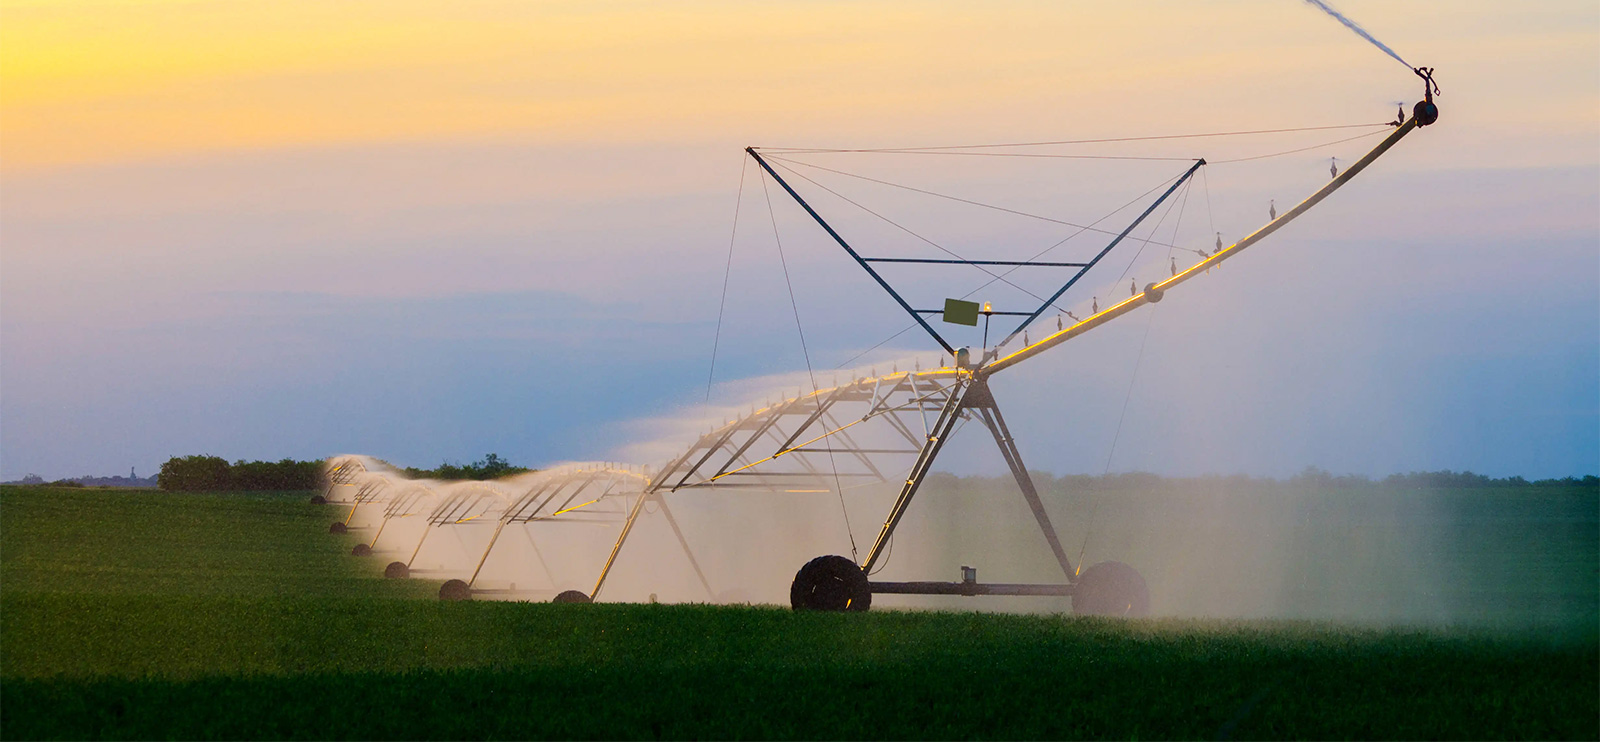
(397, 570)
(361, 550)
(572, 596)
(455, 590)
(337, 527)
(318, 500)
(1111, 589)
(830, 583)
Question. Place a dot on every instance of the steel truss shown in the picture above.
(780, 446)
(595, 493)
(786, 445)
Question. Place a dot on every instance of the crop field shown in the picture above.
(138, 614)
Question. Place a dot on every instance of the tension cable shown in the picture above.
(744, 165)
(837, 486)
(896, 150)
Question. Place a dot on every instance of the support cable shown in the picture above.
(1116, 436)
(1211, 218)
(944, 196)
(800, 150)
(1035, 256)
(744, 165)
(903, 228)
(837, 487)
(1036, 155)
(1177, 224)
(1293, 151)
(1153, 230)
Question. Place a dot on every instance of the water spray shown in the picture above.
(918, 411)
(1356, 27)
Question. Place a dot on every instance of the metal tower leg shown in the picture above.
(498, 527)
(948, 416)
(671, 521)
(375, 536)
(414, 552)
(540, 556)
(627, 526)
(990, 415)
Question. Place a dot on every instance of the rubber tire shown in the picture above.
(455, 590)
(397, 571)
(572, 596)
(361, 550)
(318, 500)
(338, 527)
(830, 583)
(1111, 589)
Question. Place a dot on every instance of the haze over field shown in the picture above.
(424, 231)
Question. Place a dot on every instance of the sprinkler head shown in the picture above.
(1425, 112)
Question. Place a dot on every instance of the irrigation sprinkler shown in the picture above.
(873, 429)
(574, 494)
(343, 471)
(781, 444)
(464, 504)
(410, 501)
(371, 489)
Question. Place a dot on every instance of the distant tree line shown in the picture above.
(34, 480)
(490, 466)
(206, 473)
(1311, 478)
(88, 480)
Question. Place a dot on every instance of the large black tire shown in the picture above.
(1111, 589)
(361, 550)
(830, 583)
(337, 527)
(397, 570)
(572, 596)
(455, 590)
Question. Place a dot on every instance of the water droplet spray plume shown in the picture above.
(1353, 26)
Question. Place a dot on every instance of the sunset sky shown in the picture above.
(429, 231)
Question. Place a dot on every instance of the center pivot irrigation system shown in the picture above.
(821, 436)
(732, 456)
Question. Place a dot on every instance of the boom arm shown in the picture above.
(1153, 292)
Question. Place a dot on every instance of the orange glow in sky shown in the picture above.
(87, 81)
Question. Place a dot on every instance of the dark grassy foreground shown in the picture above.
(149, 615)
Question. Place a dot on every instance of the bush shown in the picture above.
(194, 474)
(489, 467)
(214, 474)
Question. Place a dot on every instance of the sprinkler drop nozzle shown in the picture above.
(1425, 112)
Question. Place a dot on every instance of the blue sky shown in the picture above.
(548, 289)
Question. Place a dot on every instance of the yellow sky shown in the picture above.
(89, 82)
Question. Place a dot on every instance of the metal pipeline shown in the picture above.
(1153, 292)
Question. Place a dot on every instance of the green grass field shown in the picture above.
(151, 615)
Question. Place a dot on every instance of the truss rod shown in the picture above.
(941, 261)
(991, 418)
(948, 417)
(1155, 291)
(847, 248)
(1114, 242)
